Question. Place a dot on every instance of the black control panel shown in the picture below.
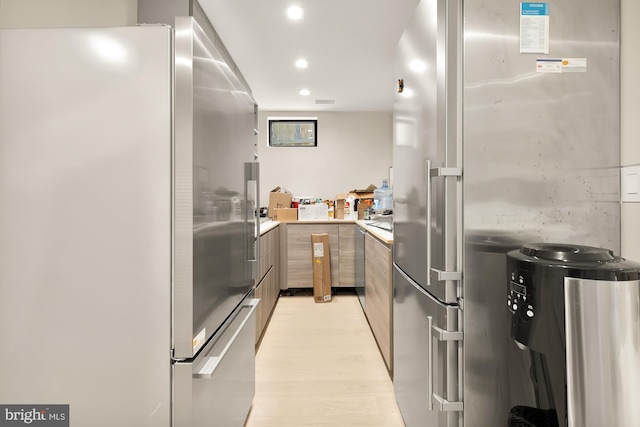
(520, 296)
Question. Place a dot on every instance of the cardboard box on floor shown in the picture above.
(278, 198)
(321, 267)
(285, 214)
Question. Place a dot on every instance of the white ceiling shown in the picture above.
(349, 45)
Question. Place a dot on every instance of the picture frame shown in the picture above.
(293, 132)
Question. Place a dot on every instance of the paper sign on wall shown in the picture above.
(534, 28)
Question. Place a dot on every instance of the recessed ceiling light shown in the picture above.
(302, 63)
(295, 12)
(305, 92)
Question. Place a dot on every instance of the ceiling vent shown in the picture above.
(325, 101)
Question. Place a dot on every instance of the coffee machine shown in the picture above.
(575, 320)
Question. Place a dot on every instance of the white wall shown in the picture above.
(354, 150)
(630, 125)
(67, 13)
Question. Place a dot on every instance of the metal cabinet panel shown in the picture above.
(359, 239)
(603, 352)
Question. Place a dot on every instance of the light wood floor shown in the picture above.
(318, 365)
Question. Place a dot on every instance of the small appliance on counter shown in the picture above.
(384, 221)
(574, 315)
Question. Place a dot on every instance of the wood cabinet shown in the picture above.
(378, 288)
(268, 285)
(299, 251)
(347, 249)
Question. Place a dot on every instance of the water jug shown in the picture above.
(383, 197)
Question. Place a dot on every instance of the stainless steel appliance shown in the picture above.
(490, 146)
(574, 314)
(128, 226)
(359, 236)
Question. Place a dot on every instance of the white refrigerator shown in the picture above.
(129, 230)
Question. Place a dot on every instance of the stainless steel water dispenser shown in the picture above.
(575, 316)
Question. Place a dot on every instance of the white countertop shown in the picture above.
(268, 225)
(383, 235)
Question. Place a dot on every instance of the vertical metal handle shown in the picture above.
(252, 215)
(441, 335)
(428, 231)
(430, 365)
(436, 275)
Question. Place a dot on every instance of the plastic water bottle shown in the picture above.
(383, 197)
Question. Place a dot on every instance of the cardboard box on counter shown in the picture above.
(365, 197)
(319, 211)
(285, 214)
(278, 198)
(321, 258)
(362, 205)
(344, 206)
(366, 193)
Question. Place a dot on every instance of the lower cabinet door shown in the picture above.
(378, 295)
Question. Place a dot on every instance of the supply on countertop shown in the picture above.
(383, 197)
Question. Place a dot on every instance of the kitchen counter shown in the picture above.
(268, 225)
(383, 235)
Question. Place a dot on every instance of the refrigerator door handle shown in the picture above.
(430, 365)
(439, 275)
(208, 366)
(444, 405)
(441, 335)
(457, 172)
(251, 181)
(435, 275)
(428, 227)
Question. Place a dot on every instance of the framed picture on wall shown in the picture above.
(293, 132)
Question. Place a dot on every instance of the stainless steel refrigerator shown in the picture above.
(128, 223)
(505, 131)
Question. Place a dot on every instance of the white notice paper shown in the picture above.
(318, 250)
(561, 65)
(534, 28)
